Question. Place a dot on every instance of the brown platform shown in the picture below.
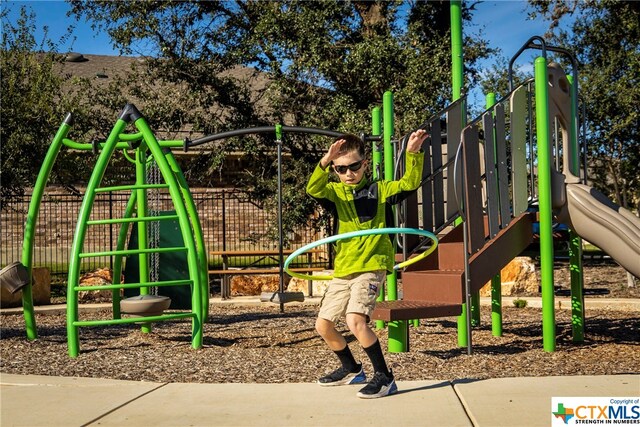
(407, 309)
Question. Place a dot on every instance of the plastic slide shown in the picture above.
(598, 220)
(587, 211)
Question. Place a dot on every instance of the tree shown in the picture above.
(30, 87)
(327, 63)
(606, 42)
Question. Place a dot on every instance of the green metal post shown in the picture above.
(388, 125)
(496, 281)
(397, 329)
(30, 226)
(575, 242)
(457, 68)
(376, 153)
(457, 78)
(376, 163)
(543, 136)
(73, 340)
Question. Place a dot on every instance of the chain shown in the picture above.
(153, 205)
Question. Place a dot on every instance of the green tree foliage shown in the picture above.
(36, 94)
(29, 90)
(496, 78)
(327, 62)
(606, 41)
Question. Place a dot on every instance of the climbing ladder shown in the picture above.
(144, 308)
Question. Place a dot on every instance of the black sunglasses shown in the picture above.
(353, 167)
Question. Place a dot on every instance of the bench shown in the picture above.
(226, 272)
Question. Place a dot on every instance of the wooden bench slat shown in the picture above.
(262, 252)
(264, 270)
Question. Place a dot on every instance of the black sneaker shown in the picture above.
(342, 376)
(379, 386)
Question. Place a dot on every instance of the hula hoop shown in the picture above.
(331, 239)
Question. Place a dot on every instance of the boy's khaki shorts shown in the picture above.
(355, 293)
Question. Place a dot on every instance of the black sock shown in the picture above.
(347, 360)
(377, 358)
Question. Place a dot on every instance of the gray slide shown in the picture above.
(596, 219)
(587, 211)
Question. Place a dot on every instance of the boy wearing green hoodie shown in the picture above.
(361, 263)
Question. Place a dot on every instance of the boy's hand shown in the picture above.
(416, 139)
(332, 153)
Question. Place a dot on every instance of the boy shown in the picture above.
(361, 263)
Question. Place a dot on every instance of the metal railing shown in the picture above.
(230, 221)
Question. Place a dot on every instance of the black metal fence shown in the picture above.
(230, 221)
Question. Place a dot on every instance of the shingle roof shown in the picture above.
(106, 66)
(98, 66)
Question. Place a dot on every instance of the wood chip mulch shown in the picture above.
(263, 345)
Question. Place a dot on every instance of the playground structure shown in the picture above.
(156, 169)
(148, 153)
(469, 180)
(491, 187)
(479, 182)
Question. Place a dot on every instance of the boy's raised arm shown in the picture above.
(416, 139)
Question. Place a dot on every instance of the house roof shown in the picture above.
(98, 66)
(104, 68)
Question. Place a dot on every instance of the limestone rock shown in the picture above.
(41, 290)
(245, 284)
(101, 276)
(318, 287)
(518, 277)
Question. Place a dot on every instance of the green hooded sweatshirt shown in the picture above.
(364, 206)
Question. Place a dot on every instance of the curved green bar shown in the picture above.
(360, 233)
(198, 234)
(180, 205)
(188, 227)
(73, 338)
(30, 226)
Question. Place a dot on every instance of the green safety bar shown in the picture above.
(185, 218)
(30, 225)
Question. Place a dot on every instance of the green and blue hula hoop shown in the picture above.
(373, 231)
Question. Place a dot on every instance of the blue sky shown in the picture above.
(505, 25)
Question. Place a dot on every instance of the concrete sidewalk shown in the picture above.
(58, 401)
